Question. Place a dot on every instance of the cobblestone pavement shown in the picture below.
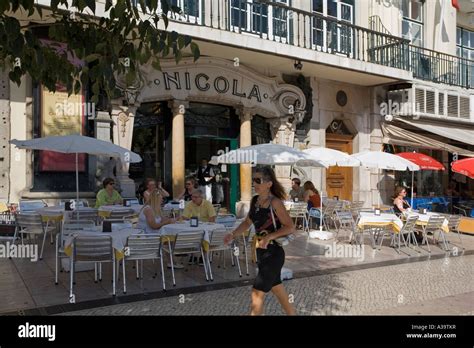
(382, 290)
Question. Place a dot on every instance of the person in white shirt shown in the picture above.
(205, 176)
(150, 218)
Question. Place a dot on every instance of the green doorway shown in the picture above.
(226, 186)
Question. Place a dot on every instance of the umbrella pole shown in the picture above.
(321, 204)
(380, 191)
(412, 182)
(77, 179)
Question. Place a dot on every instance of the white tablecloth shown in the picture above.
(120, 208)
(174, 229)
(119, 238)
(370, 219)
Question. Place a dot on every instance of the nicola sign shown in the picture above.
(203, 82)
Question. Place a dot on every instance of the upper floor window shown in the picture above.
(328, 35)
(465, 43)
(465, 49)
(412, 22)
(191, 9)
(259, 18)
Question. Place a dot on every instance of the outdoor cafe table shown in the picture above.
(172, 230)
(106, 210)
(370, 220)
(119, 238)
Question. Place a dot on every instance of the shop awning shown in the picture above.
(399, 136)
(463, 134)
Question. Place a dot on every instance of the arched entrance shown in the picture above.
(339, 180)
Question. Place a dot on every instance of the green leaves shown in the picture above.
(106, 47)
(195, 50)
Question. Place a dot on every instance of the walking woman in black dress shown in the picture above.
(271, 221)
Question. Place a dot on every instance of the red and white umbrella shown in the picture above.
(464, 167)
(425, 162)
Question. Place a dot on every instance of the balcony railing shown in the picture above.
(441, 67)
(275, 21)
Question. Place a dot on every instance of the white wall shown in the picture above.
(19, 160)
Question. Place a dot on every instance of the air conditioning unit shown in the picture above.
(430, 101)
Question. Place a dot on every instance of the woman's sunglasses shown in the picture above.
(257, 181)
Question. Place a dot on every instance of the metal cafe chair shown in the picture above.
(300, 211)
(31, 224)
(86, 214)
(217, 244)
(408, 231)
(435, 224)
(97, 249)
(68, 228)
(344, 220)
(186, 243)
(142, 247)
(453, 225)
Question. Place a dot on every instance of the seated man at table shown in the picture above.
(297, 192)
(108, 195)
(200, 208)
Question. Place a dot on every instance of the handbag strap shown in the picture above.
(273, 215)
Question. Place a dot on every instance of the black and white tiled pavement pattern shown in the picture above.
(441, 286)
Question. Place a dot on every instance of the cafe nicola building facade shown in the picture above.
(294, 72)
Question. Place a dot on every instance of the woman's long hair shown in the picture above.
(398, 189)
(154, 201)
(276, 189)
(308, 185)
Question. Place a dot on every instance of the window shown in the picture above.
(465, 49)
(191, 9)
(328, 35)
(258, 18)
(412, 22)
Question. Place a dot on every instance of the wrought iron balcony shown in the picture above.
(277, 22)
(274, 21)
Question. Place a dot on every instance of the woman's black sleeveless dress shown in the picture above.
(269, 261)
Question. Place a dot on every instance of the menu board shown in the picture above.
(61, 115)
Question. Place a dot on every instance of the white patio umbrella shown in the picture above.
(331, 157)
(78, 144)
(268, 154)
(384, 160)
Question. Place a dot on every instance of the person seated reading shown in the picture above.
(108, 195)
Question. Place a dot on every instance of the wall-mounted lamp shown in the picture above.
(298, 65)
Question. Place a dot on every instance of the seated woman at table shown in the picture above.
(150, 218)
(189, 187)
(151, 185)
(199, 207)
(311, 195)
(108, 195)
(399, 203)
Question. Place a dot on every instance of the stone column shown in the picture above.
(178, 108)
(123, 118)
(243, 205)
(102, 130)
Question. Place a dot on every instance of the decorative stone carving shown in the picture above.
(215, 80)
